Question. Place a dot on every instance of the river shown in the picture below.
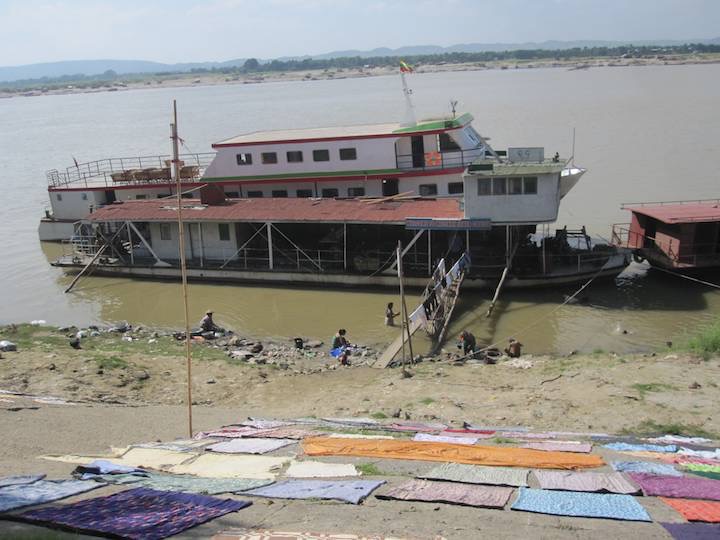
(645, 133)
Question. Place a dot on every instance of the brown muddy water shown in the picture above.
(645, 133)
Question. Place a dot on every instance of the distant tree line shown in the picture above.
(253, 65)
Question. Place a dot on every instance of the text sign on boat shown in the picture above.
(448, 224)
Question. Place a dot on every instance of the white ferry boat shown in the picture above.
(328, 205)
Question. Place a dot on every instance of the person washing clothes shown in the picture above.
(514, 348)
(207, 324)
(390, 315)
(467, 342)
(340, 347)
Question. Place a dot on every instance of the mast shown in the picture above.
(409, 107)
(183, 267)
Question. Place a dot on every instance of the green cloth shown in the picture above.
(189, 484)
(702, 467)
(713, 475)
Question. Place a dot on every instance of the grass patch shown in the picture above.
(378, 415)
(110, 362)
(707, 341)
(503, 440)
(427, 401)
(598, 351)
(643, 389)
(650, 427)
(369, 469)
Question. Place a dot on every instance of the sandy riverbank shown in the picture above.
(119, 396)
(214, 79)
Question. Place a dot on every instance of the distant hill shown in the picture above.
(95, 67)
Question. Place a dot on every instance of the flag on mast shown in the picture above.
(405, 68)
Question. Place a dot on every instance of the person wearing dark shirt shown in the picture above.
(468, 342)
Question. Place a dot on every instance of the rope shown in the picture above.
(714, 285)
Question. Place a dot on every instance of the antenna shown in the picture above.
(571, 160)
(453, 106)
(409, 107)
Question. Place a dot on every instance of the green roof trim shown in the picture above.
(487, 167)
(303, 175)
(434, 125)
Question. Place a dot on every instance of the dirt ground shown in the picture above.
(140, 399)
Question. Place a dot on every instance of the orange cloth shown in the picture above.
(456, 453)
(695, 510)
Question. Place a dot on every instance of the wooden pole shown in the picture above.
(183, 267)
(405, 319)
(398, 256)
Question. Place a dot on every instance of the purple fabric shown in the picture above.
(693, 531)
(688, 487)
(141, 513)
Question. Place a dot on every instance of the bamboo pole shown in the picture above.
(403, 308)
(183, 267)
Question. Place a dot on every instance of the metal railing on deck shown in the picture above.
(439, 160)
(128, 170)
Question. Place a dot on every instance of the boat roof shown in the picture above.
(681, 212)
(365, 131)
(491, 167)
(278, 210)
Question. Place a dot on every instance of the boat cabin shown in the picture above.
(678, 235)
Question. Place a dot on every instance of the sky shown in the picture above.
(33, 31)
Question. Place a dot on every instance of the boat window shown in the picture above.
(255, 194)
(330, 192)
(516, 186)
(484, 186)
(140, 197)
(356, 192)
(446, 143)
(224, 232)
(347, 154)
(268, 158)
(279, 193)
(304, 193)
(427, 190)
(232, 194)
(499, 186)
(294, 156)
(530, 183)
(163, 195)
(186, 195)
(243, 159)
(58, 196)
(165, 231)
(455, 188)
(321, 155)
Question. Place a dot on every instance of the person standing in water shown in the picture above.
(390, 315)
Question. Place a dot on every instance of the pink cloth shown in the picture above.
(688, 487)
(450, 492)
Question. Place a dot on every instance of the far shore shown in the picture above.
(220, 79)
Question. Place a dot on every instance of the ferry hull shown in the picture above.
(56, 230)
(610, 270)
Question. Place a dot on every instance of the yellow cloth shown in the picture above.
(231, 466)
(456, 453)
(149, 458)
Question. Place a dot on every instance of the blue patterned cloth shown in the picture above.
(140, 513)
(41, 491)
(18, 480)
(352, 491)
(625, 447)
(662, 469)
(569, 503)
